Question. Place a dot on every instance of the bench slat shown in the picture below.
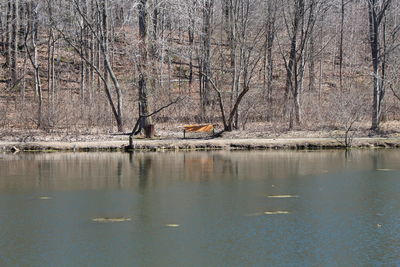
(199, 128)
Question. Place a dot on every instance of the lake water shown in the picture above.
(274, 208)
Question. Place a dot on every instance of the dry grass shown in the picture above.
(171, 131)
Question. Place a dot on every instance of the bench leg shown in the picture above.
(184, 134)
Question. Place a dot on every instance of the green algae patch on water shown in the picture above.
(44, 198)
(111, 220)
(278, 212)
(385, 170)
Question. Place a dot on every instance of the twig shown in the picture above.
(394, 92)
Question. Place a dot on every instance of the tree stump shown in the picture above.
(149, 131)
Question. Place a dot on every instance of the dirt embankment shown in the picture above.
(201, 144)
(257, 137)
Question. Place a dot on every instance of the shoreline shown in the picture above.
(200, 144)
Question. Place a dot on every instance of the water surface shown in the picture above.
(275, 208)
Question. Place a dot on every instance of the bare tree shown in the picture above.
(116, 106)
(247, 56)
(145, 30)
(270, 24)
(31, 39)
(377, 38)
(14, 41)
(100, 63)
(299, 17)
(205, 55)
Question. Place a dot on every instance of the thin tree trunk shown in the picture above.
(376, 14)
(14, 42)
(144, 105)
(206, 56)
(32, 32)
(342, 13)
(311, 64)
(269, 63)
(8, 34)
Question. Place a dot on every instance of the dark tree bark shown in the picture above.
(205, 57)
(342, 14)
(302, 23)
(376, 14)
(311, 53)
(191, 37)
(31, 37)
(8, 33)
(268, 60)
(144, 79)
(292, 91)
(14, 42)
(50, 60)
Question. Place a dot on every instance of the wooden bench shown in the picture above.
(198, 128)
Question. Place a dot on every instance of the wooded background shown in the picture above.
(304, 64)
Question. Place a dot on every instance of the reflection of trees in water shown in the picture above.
(198, 167)
(68, 171)
(378, 160)
(145, 166)
(230, 167)
(65, 171)
(119, 173)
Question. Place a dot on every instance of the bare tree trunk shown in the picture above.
(321, 70)
(301, 29)
(50, 62)
(233, 18)
(311, 58)
(83, 47)
(342, 13)
(104, 29)
(269, 62)
(14, 42)
(92, 57)
(32, 33)
(206, 56)
(144, 80)
(191, 40)
(376, 12)
(2, 33)
(291, 69)
(8, 34)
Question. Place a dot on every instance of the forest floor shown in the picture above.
(170, 137)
